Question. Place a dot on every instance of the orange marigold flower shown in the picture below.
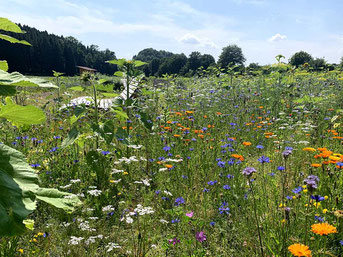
(168, 166)
(219, 113)
(316, 165)
(309, 149)
(322, 149)
(246, 143)
(176, 135)
(238, 156)
(323, 229)
(300, 250)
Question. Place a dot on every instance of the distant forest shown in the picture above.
(50, 52)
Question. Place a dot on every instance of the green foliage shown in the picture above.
(21, 115)
(300, 58)
(17, 79)
(231, 55)
(20, 190)
(3, 65)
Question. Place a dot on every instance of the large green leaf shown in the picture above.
(18, 182)
(14, 40)
(17, 79)
(21, 115)
(61, 200)
(106, 130)
(19, 190)
(72, 136)
(7, 25)
(4, 65)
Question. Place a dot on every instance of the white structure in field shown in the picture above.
(103, 103)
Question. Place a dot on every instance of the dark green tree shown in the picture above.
(231, 55)
(300, 58)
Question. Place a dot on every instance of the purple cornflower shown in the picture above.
(259, 147)
(200, 236)
(105, 152)
(248, 171)
(226, 187)
(286, 153)
(311, 182)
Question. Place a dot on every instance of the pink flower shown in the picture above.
(190, 214)
(200, 236)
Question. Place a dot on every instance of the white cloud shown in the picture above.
(277, 37)
(194, 40)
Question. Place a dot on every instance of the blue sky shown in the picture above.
(262, 28)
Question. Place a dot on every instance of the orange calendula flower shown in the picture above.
(309, 149)
(316, 165)
(176, 135)
(238, 156)
(300, 250)
(323, 229)
(246, 143)
(168, 166)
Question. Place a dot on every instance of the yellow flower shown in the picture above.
(300, 250)
(309, 149)
(21, 250)
(325, 211)
(125, 173)
(323, 229)
(305, 190)
(326, 197)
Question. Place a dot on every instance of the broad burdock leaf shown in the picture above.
(72, 136)
(21, 115)
(17, 79)
(19, 190)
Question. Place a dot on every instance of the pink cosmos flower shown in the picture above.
(190, 214)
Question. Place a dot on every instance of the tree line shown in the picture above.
(51, 52)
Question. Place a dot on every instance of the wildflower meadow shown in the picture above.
(218, 164)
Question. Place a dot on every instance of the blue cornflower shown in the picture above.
(317, 198)
(36, 165)
(297, 190)
(184, 176)
(175, 220)
(166, 148)
(221, 164)
(224, 209)
(259, 147)
(318, 218)
(212, 223)
(264, 159)
(230, 176)
(226, 187)
(272, 174)
(289, 197)
(281, 168)
(105, 152)
(211, 183)
(206, 190)
(179, 201)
